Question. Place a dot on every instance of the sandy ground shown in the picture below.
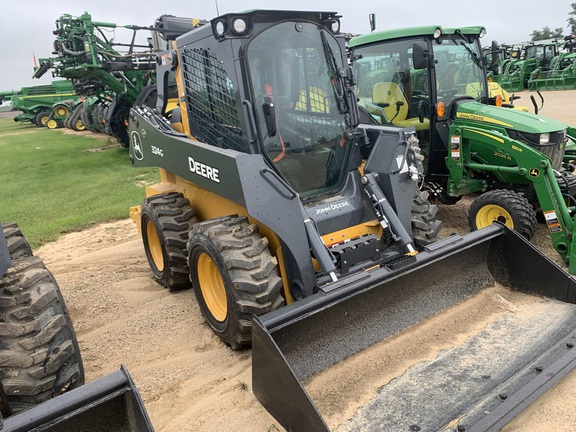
(188, 379)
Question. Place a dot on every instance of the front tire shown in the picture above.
(39, 353)
(234, 276)
(166, 220)
(18, 245)
(425, 227)
(505, 206)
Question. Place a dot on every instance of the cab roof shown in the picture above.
(410, 31)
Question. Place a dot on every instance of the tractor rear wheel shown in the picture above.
(234, 276)
(39, 356)
(425, 227)
(41, 118)
(18, 246)
(166, 220)
(505, 206)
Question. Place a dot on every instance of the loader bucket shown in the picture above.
(111, 403)
(426, 344)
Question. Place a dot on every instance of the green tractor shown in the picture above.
(514, 159)
(560, 74)
(534, 55)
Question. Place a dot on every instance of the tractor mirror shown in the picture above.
(421, 56)
(269, 116)
(372, 19)
(495, 53)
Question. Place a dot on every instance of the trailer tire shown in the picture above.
(76, 123)
(41, 118)
(166, 220)
(18, 246)
(39, 355)
(425, 227)
(234, 276)
(504, 206)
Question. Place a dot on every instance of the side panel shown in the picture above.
(243, 179)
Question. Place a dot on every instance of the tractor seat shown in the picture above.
(389, 102)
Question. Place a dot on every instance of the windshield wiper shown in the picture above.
(335, 77)
(472, 53)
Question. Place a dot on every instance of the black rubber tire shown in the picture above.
(18, 246)
(41, 118)
(39, 353)
(425, 227)
(171, 217)
(522, 214)
(76, 122)
(248, 270)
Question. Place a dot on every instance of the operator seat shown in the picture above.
(389, 102)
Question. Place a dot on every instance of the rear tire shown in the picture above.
(234, 276)
(166, 220)
(504, 206)
(39, 353)
(425, 227)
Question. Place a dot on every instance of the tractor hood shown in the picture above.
(482, 115)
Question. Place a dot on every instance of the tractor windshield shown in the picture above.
(297, 100)
(459, 69)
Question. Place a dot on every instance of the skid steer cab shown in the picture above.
(434, 79)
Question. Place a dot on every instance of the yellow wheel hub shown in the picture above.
(44, 120)
(51, 124)
(80, 125)
(154, 246)
(491, 213)
(62, 111)
(212, 287)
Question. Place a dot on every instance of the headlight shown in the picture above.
(437, 33)
(239, 26)
(544, 138)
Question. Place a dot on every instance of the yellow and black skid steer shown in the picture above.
(305, 236)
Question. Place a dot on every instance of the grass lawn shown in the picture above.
(54, 182)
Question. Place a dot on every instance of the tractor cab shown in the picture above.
(394, 70)
(434, 79)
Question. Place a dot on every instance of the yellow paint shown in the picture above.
(371, 227)
(500, 140)
(481, 118)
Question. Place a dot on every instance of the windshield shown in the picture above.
(292, 68)
(458, 69)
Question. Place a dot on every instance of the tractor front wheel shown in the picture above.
(507, 207)
(234, 276)
(166, 220)
(425, 226)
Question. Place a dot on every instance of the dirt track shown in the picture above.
(190, 381)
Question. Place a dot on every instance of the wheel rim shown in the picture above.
(51, 124)
(80, 125)
(212, 287)
(154, 246)
(491, 213)
(62, 111)
(44, 120)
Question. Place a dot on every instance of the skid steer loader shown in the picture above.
(296, 227)
(41, 372)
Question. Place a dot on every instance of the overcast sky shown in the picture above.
(26, 26)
